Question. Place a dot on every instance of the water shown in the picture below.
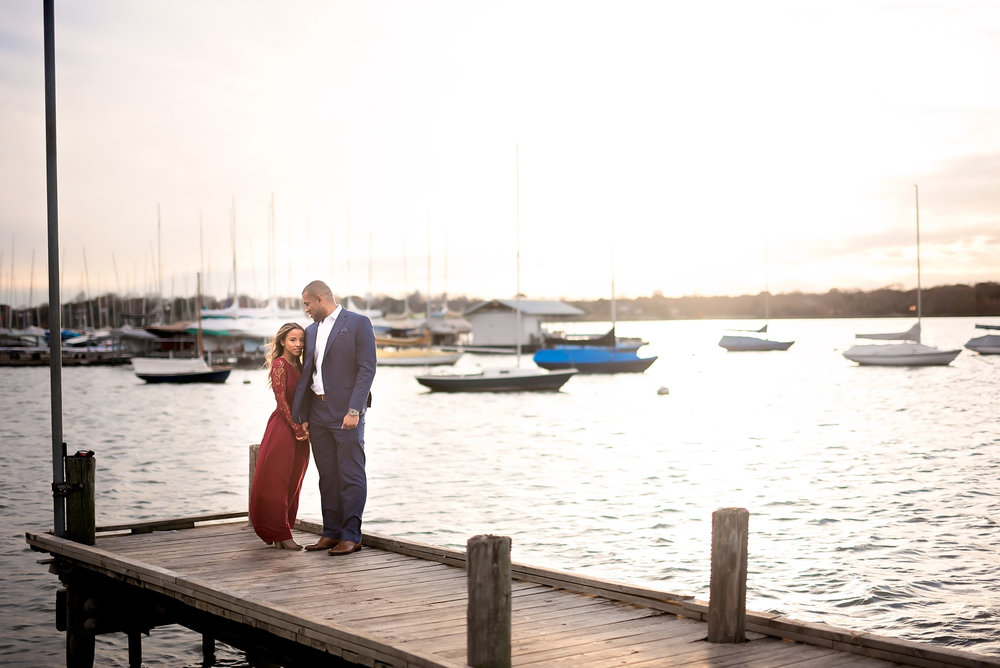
(873, 492)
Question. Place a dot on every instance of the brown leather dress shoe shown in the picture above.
(345, 547)
(323, 543)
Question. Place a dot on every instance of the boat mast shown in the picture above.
(428, 309)
(159, 265)
(201, 343)
(10, 310)
(31, 285)
(916, 198)
(517, 248)
(767, 289)
(614, 304)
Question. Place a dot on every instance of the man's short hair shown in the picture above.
(318, 289)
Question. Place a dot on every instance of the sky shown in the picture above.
(562, 147)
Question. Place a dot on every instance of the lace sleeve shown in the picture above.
(279, 383)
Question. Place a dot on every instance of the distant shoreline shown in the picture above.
(979, 300)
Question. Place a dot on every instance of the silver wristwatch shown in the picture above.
(353, 412)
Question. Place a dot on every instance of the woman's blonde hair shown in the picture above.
(276, 346)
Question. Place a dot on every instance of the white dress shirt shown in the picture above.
(322, 337)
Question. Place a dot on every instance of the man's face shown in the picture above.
(315, 307)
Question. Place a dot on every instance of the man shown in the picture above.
(330, 400)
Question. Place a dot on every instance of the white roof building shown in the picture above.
(494, 323)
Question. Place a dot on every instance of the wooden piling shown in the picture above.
(134, 649)
(727, 603)
(80, 637)
(488, 619)
(254, 452)
(80, 514)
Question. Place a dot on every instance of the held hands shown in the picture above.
(305, 432)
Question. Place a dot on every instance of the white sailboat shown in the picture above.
(909, 351)
(182, 370)
(744, 341)
(503, 379)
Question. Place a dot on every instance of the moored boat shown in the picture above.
(988, 344)
(415, 357)
(910, 351)
(179, 370)
(744, 343)
(592, 359)
(900, 354)
(512, 379)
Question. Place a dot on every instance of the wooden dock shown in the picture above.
(398, 603)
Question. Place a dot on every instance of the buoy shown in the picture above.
(663, 390)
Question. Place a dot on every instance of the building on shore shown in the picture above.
(495, 322)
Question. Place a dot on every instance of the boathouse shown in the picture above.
(495, 322)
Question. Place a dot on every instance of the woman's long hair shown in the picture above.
(276, 346)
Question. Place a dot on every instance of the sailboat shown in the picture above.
(988, 344)
(504, 379)
(588, 357)
(744, 341)
(909, 351)
(408, 350)
(181, 370)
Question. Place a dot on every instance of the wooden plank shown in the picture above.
(204, 597)
(832, 658)
(636, 631)
(167, 524)
(402, 606)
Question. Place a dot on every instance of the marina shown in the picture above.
(871, 495)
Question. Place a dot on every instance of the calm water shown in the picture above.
(873, 492)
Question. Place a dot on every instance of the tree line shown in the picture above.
(981, 299)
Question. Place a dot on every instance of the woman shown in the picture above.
(284, 450)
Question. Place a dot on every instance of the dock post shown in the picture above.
(727, 602)
(207, 650)
(488, 616)
(254, 451)
(80, 518)
(134, 649)
(80, 637)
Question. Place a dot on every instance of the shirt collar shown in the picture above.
(333, 315)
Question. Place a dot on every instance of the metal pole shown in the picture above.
(55, 319)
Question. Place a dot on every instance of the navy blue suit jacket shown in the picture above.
(348, 367)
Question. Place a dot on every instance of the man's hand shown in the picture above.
(350, 422)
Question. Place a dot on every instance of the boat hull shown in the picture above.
(187, 370)
(985, 345)
(498, 380)
(588, 359)
(751, 343)
(415, 358)
(213, 376)
(900, 354)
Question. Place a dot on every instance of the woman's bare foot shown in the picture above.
(289, 544)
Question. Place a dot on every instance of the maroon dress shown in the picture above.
(281, 462)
